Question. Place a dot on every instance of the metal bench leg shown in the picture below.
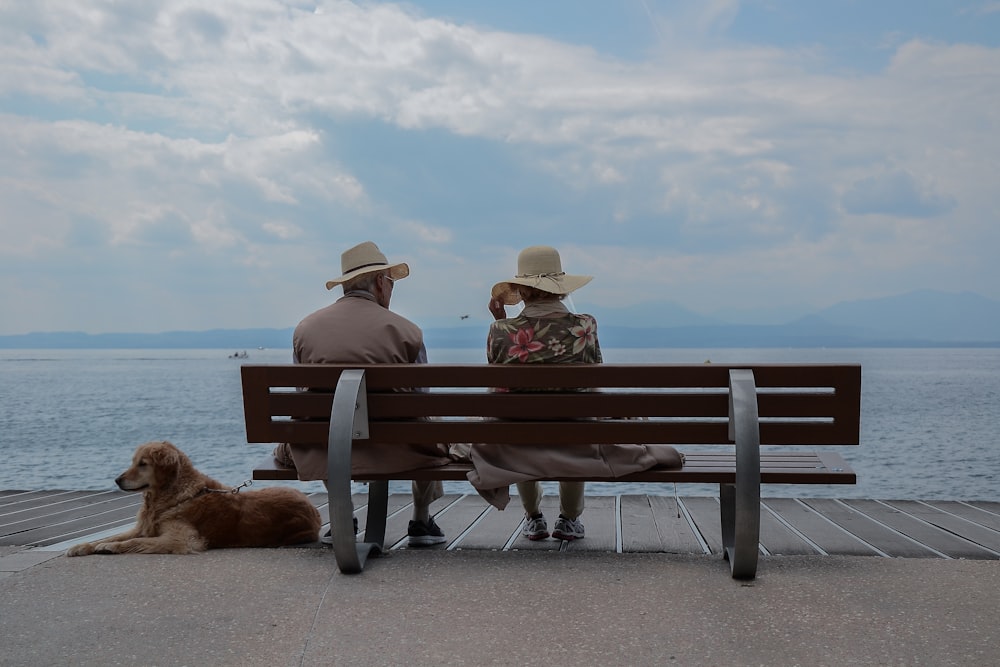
(348, 422)
(740, 502)
(727, 514)
(378, 510)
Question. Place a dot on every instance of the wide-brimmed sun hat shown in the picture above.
(538, 266)
(365, 258)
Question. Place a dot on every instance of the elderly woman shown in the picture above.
(546, 331)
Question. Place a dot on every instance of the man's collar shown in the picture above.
(359, 294)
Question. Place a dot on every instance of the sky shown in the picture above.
(179, 165)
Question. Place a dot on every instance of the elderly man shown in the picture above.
(360, 328)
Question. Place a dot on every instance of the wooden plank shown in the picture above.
(269, 469)
(10, 498)
(69, 506)
(638, 526)
(52, 533)
(778, 539)
(986, 505)
(928, 535)
(555, 432)
(44, 499)
(700, 467)
(838, 376)
(456, 518)
(958, 527)
(43, 529)
(675, 533)
(969, 512)
(600, 525)
(255, 403)
(883, 538)
(705, 514)
(829, 537)
(549, 405)
(493, 529)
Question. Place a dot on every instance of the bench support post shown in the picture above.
(349, 422)
(740, 502)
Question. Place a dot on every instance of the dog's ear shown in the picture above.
(166, 460)
(164, 454)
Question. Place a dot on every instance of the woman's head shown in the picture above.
(539, 275)
(529, 294)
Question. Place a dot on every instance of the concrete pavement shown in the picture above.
(292, 607)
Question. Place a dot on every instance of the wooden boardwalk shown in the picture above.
(52, 520)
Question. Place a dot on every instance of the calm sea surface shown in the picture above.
(70, 419)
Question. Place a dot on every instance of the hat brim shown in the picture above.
(396, 272)
(507, 290)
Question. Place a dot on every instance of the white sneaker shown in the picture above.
(567, 529)
(535, 528)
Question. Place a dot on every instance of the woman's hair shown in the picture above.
(535, 294)
(364, 283)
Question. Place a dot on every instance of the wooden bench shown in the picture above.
(782, 406)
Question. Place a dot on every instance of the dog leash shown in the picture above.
(235, 489)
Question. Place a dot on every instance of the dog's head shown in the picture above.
(154, 466)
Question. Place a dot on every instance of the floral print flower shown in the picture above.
(556, 347)
(524, 344)
(585, 334)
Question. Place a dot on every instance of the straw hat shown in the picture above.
(540, 267)
(365, 258)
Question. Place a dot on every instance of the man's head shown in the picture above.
(378, 284)
(366, 258)
(365, 268)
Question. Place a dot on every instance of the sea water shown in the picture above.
(70, 419)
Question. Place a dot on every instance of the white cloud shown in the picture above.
(269, 134)
(282, 230)
(424, 232)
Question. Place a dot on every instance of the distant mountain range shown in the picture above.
(924, 318)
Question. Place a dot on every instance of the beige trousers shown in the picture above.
(570, 498)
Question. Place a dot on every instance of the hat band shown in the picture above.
(540, 275)
(365, 266)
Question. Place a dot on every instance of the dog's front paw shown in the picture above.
(107, 548)
(84, 549)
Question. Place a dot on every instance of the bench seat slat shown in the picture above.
(712, 467)
(598, 432)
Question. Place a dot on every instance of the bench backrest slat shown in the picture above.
(385, 376)
(681, 403)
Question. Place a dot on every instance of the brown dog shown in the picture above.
(184, 511)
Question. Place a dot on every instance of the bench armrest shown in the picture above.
(349, 422)
(740, 503)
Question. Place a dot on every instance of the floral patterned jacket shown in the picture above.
(556, 338)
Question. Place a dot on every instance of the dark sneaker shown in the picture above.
(535, 527)
(567, 529)
(424, 534)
